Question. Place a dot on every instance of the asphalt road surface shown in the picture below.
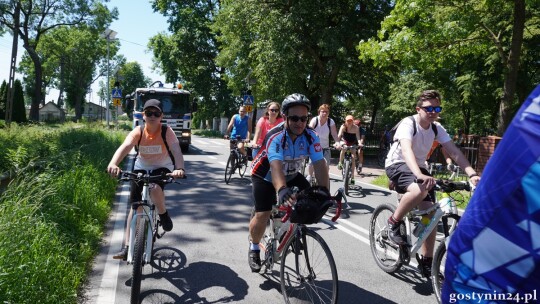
(204, 258)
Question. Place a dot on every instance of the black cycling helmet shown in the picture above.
(295, 100)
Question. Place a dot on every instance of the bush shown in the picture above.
(53, 213)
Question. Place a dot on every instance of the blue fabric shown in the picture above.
(240, 126)
(496, 247)
(279, 146)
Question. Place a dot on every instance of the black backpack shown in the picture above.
(393, 130)
(327, 123)
(163, 136)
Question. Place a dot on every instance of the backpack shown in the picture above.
(392, 131)
(327, 123)
(163, 136)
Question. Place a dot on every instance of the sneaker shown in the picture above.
(359, 169)
(424, 265)
(122, 254)
(166, 221)
(340, 166)
(396, 232)
(254, 260)
(351, 181)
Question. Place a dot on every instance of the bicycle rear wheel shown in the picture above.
(308, 272)
(387, 255)
(381, 157)
(437, 270)
(346, 176)
(229, 169)
(138, 257)
(242, 166)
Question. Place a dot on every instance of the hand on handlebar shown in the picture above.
(286, 196)
(426, 180)
(113, 170)
(178, 173)
(225, 136)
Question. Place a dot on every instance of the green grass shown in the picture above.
(53, 213)
(208, 133)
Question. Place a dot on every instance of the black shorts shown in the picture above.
(403, 177)
(264, 193)
(137, 187)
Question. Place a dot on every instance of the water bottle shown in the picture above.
(424, 222)
(283, 229)
(277, 221)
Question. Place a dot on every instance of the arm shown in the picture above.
(410, 160)
(118, 156)
(334, 133)
(321, 173)
(230, 126)
(360, 137)
(312, 122)
(461, 160)
(250, 125)
(257, 134)
(179, 170)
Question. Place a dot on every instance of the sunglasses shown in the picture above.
(432, 109)
(298, 118)
(274, 110)
(152, 113)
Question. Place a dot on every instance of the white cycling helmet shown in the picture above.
(295, 100)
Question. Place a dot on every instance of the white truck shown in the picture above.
(177, 109)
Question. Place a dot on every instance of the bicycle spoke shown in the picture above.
(386, 255)
(308, 271)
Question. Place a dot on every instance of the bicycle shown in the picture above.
(382, 154)
(236, 160)
(308, 271)
(347, 172)
(143, 228)
(390, 256)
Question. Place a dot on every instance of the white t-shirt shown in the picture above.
(323, 130)
(421, 142)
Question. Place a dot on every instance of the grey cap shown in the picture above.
(152, 103)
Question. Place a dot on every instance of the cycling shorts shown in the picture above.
(402, 176)
(137, 187)
(264, 193)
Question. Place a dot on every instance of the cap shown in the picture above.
(152, 103)
(349, 118)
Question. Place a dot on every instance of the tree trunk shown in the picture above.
(510, 78)
(37, 99)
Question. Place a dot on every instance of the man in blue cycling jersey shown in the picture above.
(275, 169)
(494, 255)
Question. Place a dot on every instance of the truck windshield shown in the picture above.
(173, 104)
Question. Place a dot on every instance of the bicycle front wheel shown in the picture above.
(346, 176)
(229, 169)
(308, 272)
(437, 270)
(387, 255)
(138, 258)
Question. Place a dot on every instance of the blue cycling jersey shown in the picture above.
(278, 145)
(495, 251)
(240, 126)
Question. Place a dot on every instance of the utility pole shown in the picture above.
(109, 35)
(13, 65)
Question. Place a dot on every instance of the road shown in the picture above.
(209, 245)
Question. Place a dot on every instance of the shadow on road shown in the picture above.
(194, 282)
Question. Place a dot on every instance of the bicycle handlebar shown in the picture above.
(448, 186)
(337, 198)
(145, 177)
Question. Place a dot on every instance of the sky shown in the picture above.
(135, 25)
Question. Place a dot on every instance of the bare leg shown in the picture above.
(257, 225)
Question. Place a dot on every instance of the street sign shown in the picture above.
(248, 100)
(116, 93)
(248, 108)
(117, 101)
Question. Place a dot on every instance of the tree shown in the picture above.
(466, 46)
(3, 99)
(297, 46)
(189, 54)
(19, 109)
(40, 16)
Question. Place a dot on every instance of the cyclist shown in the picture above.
(324, 126)
(406, 162)
(272, 117)
(385, 140)
(350, 133)
(153, 157)
(276, 167)
(360, 151)
(494, 250)
(240, 124)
